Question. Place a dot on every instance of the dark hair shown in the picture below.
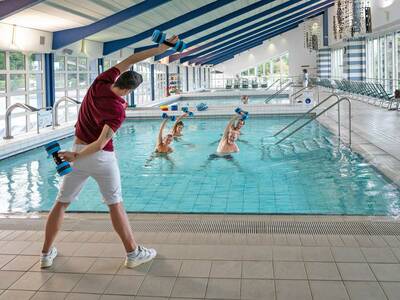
(128, 80)
(304, 70)
(180, 123)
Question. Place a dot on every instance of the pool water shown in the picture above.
(308, 174)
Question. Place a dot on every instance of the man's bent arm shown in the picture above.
(106, 135)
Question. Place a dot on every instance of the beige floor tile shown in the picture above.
(7, 278)
(75, 265)
(31, 281)
(5, 259)
(346, 254)
(307, 240)
(355, 271)
(157, 298)
(223, 288)
(292, 289)
(379, 255)
(89, 250)
(124, 285)
(35, 248)
(49, 296)
(257, 269)
(392, 290)
(392, 241)
(396, 252)
(91, 283)
(113, 250)
(321, 254)
(157, 286)
(255, 289)
(21, 263)
(61, 282)
(335, 240)
(226, 269)
(364, 241)
(16, 295)
(289, 270)
(79, 296)
(257, 253)
(321, 240)
(322, 271)
(364, 290)
(68, 248)
(378, 241)
(328, 290)
(14, 247)
(195, 268)
(386, 272)
(349, 241)
(139, 270)
(56, 264)
(190, 287)
(116, 297)
(287, 253)
(165, 267)
(106, 266)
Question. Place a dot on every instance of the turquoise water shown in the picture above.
(306, 175)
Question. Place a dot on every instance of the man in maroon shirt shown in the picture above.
(101, 114)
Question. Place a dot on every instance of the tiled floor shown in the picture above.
(202, 266)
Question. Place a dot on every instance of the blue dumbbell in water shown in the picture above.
(242, 113)
(62, 167)
(165, 116)
(161, 38)
(186, 110)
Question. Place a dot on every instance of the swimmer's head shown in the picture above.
(168, 139)
(179, 127)
(126, 83)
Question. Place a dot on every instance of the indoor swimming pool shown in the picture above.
(235, 100)
(307, 174)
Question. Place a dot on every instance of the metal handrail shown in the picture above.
(278, 92)
(27, 107)
(55, 108)
(319, 114)
(307, 113)
(272, 85)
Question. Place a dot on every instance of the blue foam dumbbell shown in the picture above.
(161, 38)
(242, 113)
(165, 116)
(186, 110)
(62, 167)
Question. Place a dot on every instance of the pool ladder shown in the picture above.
(337, 102)
(280, 91)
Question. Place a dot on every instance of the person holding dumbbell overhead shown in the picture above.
(231, 133)
(101, 114)
(164, 142)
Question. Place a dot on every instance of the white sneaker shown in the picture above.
(140, 256)
(46, 260)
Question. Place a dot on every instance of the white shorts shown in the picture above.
(103, 167)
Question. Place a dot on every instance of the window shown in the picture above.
(252, 72)
(260, 70)
(35, 62)
(2, 83)
(17, 61)
(143, 92)
(73, 76)
(389, 63)
(398, 60)
(337, 63)
(285, 65)
(2, 60)
(17, 82)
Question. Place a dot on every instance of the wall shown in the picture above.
(26, 39)
(385, 14)
(291, 41)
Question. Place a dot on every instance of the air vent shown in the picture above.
(42, 40)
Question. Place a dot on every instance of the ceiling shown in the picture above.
(56, 15)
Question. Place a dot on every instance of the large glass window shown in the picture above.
(3, 79)
(73, 76)
(337, 63)
(17, 61)
(2, 60)
(389, 62)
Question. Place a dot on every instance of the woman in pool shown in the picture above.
(244, 99)
(178, 126)
(227, 144)
(164, 142)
